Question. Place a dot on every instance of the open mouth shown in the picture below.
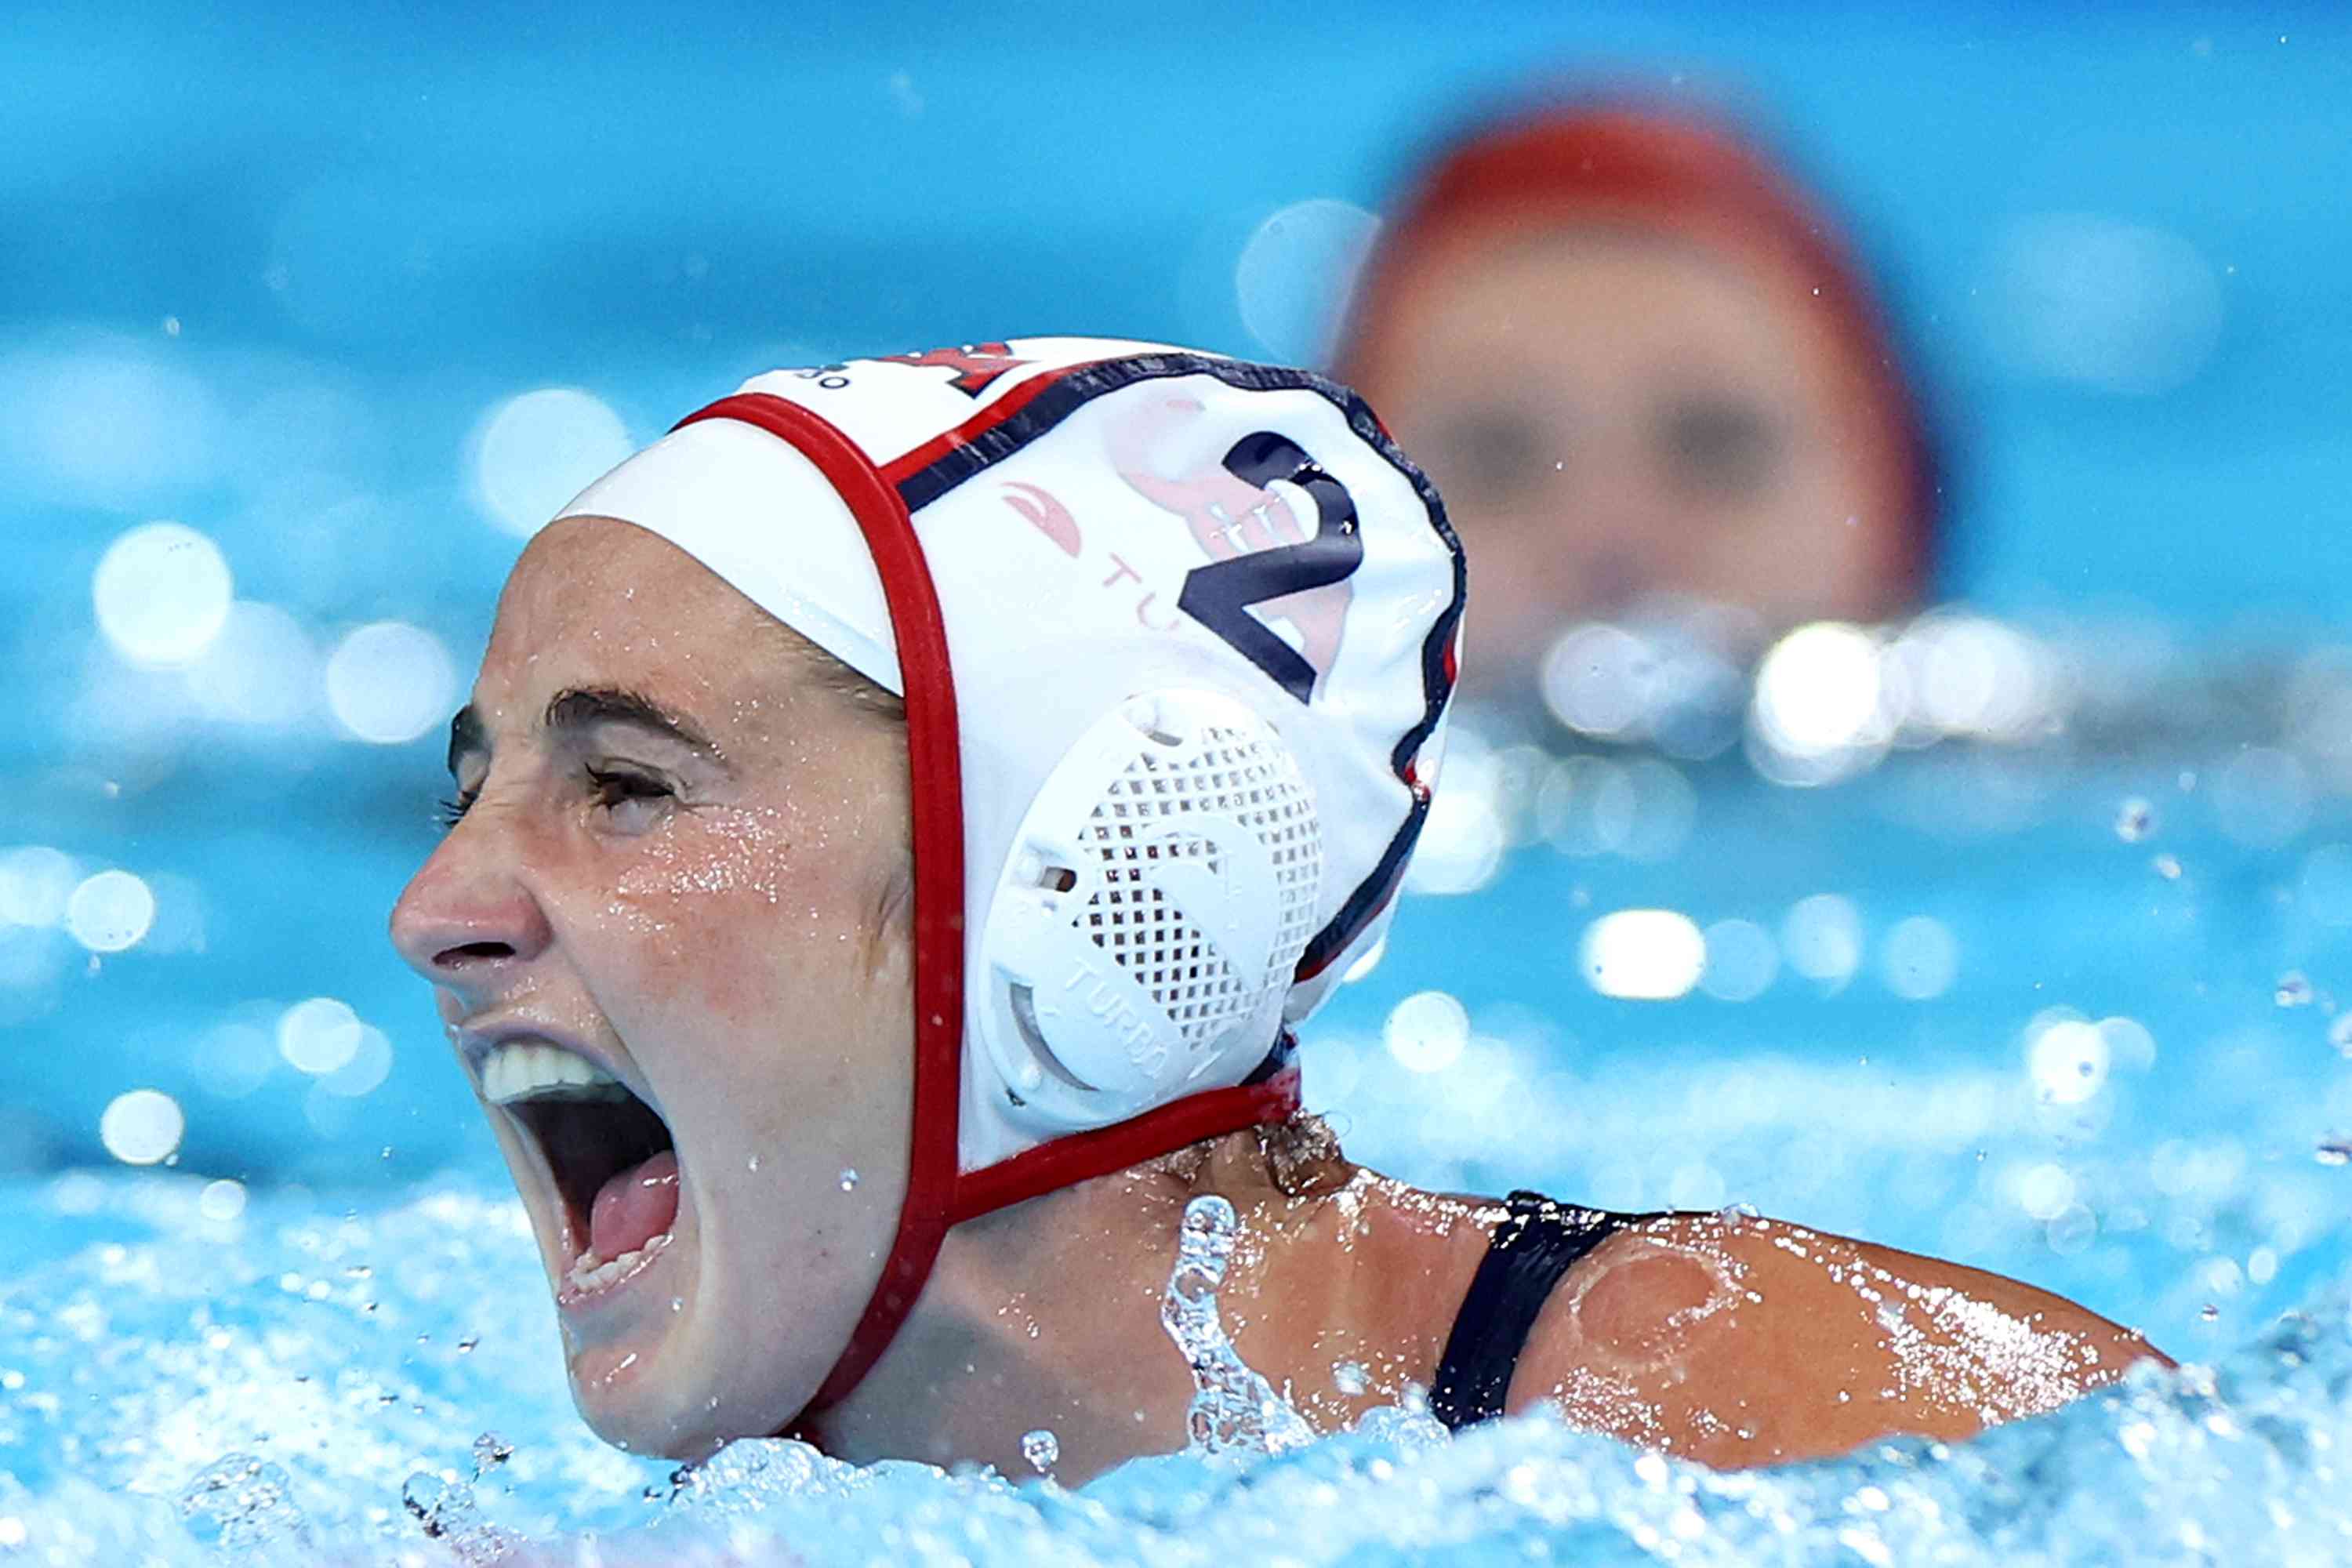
(613, 1162)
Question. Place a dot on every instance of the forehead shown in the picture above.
(1591, 302)
(1588, 275)
(598, 602)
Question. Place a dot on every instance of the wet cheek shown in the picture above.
(727, 914)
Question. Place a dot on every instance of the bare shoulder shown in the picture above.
(1741, 1341)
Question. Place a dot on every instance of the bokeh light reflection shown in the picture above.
(1597, 679)
(1920, 958)
(110, 912)
(536, 451)
(1427, 1032)
(1294, 272)
(1643, 955)
(35, 883)
(221, 1201)
(1819, 712)
(1742, 961)
(2066, 1059)
(390, 682)
(162, 592)
(319, 1036)
(1822, 939)
(142, 1127)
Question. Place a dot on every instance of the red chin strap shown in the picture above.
(939, 1195)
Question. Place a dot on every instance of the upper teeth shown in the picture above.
(533, 1069)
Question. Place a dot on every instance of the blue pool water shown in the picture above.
(2066, 994)
(341, 1364)
(2069, 1017)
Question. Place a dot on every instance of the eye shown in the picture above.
(452, 810)
(1495, 452)
(632, 799)
(1725, 446)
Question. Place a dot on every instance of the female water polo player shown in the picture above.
(1641, 364)
(902, 817)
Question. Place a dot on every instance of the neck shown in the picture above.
(1047, 1315)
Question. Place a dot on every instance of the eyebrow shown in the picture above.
(577, 708)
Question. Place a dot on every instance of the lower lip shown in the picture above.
(570, 1291)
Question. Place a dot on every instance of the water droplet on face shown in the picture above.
(754, 1162)
(2294, 989)
(1041, 1448)
(2135, 820)
(1349, 1377)
(848, 1178)
(677, 1303)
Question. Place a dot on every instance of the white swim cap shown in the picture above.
(1175, 634)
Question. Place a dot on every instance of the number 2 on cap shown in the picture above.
(1220, 595)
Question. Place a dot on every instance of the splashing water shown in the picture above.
(1041, 1448)
(130, 1364)
(1234, 1410)
(447, 1510)
(240, 1503)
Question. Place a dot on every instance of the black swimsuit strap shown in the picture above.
(1529, 1253)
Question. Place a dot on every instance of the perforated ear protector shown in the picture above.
(1150, 914)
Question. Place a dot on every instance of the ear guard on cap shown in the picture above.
(1150, 918)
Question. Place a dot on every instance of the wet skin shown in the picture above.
(1613, 414)
(718, 927)
(720, 923)
(1733, 1341)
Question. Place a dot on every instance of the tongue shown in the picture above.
(635, 1207)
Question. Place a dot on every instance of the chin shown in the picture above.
(678, 1396)
(644, 1409)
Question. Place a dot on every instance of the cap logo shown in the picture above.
(1263, 563)
(976, 365)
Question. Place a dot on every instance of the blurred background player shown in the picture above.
(1645, 370)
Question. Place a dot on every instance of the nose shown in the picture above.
(467, 921)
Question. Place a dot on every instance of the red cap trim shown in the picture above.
(1082, 1156)
(934, 765)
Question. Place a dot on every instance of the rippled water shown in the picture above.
(2065, 991)
(306, 1384)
